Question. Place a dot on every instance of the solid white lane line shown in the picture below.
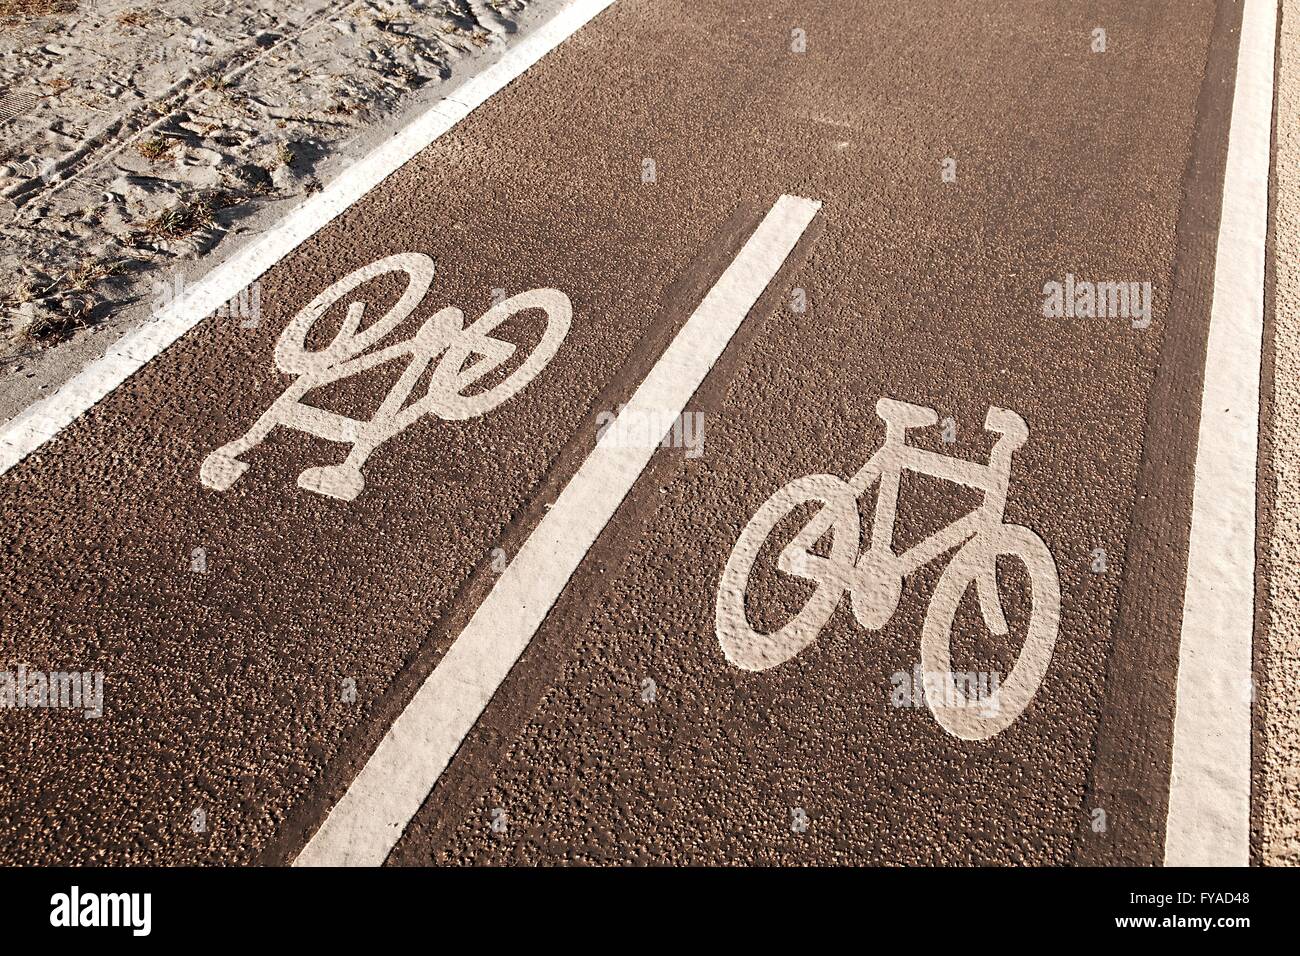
(1209, 786)
(43, 420)
(370, 818)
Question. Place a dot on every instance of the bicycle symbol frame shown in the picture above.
(874, 578)
(444, 336)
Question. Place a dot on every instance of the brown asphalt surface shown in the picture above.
(223, 688)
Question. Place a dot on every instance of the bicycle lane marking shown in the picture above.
(371, 816)
(444, 337)
(874, 579)
(1208, 821)
(713, 769)
(44, 420)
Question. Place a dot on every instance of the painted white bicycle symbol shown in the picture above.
(444, 336)
(874, 578)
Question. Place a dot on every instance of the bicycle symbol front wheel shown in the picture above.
(754, 650)
(559, 314)
(980, 719)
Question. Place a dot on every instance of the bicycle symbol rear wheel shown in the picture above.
(756, 651)
(981, 719)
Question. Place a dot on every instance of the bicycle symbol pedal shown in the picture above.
(465, 354)
(874, 578)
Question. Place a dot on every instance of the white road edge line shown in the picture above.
(42, 421)
(1209, 786)
(374, 812)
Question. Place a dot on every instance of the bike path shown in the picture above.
(625, 735)
(225, 688)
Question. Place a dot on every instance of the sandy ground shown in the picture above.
(1280, 825)
(139, 138)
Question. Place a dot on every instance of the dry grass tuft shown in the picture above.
(66, 303)
(186, 217)
(156, 148)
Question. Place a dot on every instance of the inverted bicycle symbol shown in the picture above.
(874, 578)
(444, 336)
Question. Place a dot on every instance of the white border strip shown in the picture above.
(372, 815)
(1209, 787)
(40, 422)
